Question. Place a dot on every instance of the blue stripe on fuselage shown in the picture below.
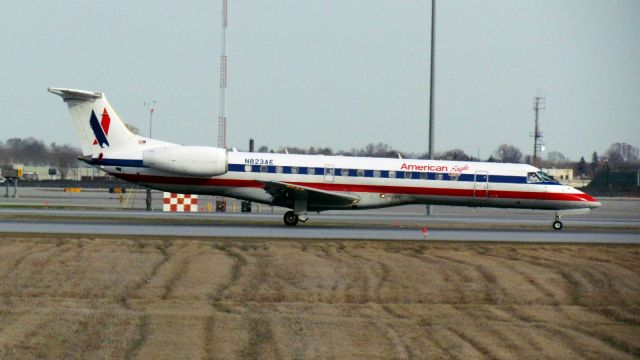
(304, 170)
(117, 162)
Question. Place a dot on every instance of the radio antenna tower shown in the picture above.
(538, 147)
(222, 118)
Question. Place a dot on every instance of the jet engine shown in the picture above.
(200, 161)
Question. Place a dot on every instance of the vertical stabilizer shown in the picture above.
(97, 125)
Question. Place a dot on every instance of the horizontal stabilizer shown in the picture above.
(73, 94)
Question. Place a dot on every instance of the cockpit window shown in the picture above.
(533, 177)
(540, 176)
(545, 177)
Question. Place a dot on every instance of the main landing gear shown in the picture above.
(291, 219)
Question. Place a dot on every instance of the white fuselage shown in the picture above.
(377, 182)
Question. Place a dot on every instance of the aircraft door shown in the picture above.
(329, 171)
(481, 185)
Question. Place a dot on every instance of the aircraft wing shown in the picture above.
(282, 191)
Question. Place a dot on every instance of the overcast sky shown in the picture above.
(340, 74)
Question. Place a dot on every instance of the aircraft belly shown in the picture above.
(366, 201)
(543, 204)
(251, 194)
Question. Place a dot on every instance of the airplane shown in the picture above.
(309, 183)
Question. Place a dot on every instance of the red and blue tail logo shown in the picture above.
(100, 129)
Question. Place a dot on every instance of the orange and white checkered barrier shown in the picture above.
(179, 202)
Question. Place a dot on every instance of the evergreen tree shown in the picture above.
(582, 167)
(594, 163)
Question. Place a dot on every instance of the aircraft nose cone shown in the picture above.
(589, 201)
(592, 202)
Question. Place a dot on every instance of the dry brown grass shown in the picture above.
(108, 297)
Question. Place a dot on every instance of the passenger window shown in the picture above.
(311, 171)
(264, 168)
(423, 176)
(328, 171)
(407, 174)
(439, 176)
(247, 168)
(377, 173)
(344, 172)
(294, 170)
(392, 174)
(360, 172)
(279, 169)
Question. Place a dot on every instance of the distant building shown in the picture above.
(562, 175)
(51, 173)
(565, 176)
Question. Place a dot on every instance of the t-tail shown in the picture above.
(106, 141)
(97, 125)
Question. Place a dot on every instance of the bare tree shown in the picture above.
(324, 151)
(27, 151)
(508, 154)
(556, 158)
(380, 150)
(64, 158)
(621, 155)
(455, 154)
(291, 150)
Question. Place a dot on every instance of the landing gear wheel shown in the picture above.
(557, 225)
(290, 218)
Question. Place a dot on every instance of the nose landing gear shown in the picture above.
(557, 225)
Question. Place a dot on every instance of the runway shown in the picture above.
(356, 226)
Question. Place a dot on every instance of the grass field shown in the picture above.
(166, 298)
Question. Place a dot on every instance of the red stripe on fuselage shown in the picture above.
(189, 181)
(404, 190)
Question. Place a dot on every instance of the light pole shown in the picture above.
(432, 81)
(150, 106)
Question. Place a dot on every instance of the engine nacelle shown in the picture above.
(201, 161)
